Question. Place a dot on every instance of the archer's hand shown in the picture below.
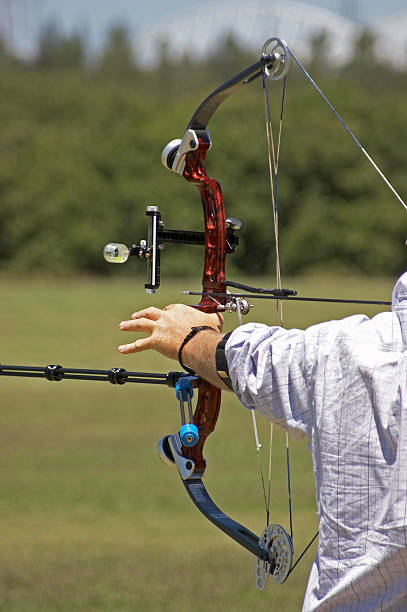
(167, 328)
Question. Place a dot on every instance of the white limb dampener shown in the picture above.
(280, 552)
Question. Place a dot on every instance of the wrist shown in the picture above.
(183, 349)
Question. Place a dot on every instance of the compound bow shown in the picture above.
(186, 157)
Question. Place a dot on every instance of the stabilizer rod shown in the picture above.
(116, 376)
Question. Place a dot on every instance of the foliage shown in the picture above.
(117, 60)
(82, 137)
(57, 51)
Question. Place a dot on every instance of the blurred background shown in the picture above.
(90, 93)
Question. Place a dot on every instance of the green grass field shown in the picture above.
(90, 518)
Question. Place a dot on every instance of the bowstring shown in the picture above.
(273, 154)
(266, 491)
(348, 130)
(273, 174)
(273, 162)
(273, 157)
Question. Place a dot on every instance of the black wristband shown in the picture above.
(192, 333)
(221, 363)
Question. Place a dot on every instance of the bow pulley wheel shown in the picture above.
(165, 452)
(169, 153)
(277, 49)
(279, 546)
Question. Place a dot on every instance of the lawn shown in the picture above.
(90, 518)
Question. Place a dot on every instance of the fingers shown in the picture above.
(139, 325)
(151, 313)
(166, 328)
(143, 321)
(128, 348)
(143, 324)
(135, 347)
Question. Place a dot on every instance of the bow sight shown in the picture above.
(157, 236)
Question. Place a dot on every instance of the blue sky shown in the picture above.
(21, 20)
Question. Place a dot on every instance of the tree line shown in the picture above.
(81, 141)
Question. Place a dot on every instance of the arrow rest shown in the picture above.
(239, 305)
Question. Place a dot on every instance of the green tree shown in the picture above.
(57, 51)
(117, 59)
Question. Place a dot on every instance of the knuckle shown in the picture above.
(152, 312)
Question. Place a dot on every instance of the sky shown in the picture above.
(21, 20)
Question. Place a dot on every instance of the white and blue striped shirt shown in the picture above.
(344, 385)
